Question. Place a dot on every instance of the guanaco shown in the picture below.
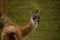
(11, 31)
(3, 18)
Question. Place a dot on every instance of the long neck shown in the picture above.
(28, 28)
(3, 3)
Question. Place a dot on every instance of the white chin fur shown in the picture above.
(34, 23)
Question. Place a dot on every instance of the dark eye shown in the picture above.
(38, 17)
(33, 18)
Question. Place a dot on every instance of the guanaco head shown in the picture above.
(35, 17)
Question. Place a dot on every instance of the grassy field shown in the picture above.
(49, 27)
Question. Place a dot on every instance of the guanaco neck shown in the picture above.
(3, 3)
(28, 28)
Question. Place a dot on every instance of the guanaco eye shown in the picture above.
(33, 18)
(38, 17)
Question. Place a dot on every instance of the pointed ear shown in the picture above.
(38, 12)
(30, 13)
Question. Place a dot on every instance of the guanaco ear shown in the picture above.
(38, 12)
(30, 13)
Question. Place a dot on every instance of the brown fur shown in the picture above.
(4, 4)
(3, 14)
(19, 32)
(11, 35)
(11, 31)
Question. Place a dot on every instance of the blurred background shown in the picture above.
(49, 26)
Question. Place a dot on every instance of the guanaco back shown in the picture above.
(11, 31)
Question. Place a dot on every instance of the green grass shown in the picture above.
(49, 27)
